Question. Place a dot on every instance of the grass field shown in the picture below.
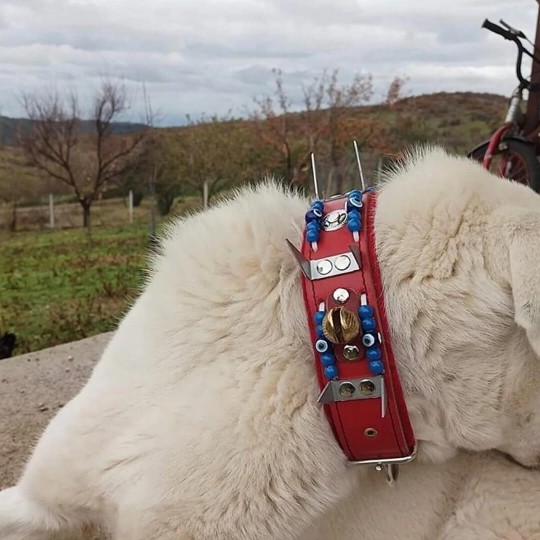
(55, 287)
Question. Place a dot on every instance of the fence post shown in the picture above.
(130, 205)
(51, 210)
(205, 194)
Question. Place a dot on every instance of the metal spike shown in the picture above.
(327, 394)
(359, 163)
(314, 174)
(302, 261)
(383, 399)
(355, 250)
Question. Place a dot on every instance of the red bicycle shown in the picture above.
(512, 152)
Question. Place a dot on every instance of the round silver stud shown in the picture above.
(324, 267)
(334, 220)
(370, 432)
(351, 352)
(341, 295)
(343, 262)
(346, 389)
(366, 387)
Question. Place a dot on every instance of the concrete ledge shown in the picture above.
(33, 387)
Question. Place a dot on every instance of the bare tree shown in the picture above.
(395, 91)
(341, 127)
(323, 125)
(291, 136)
(210, 154)
(87, 160)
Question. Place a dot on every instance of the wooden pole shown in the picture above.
(51, 211)
(130, 205)
(205, 194)
(532, 120)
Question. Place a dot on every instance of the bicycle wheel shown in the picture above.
(514, 160)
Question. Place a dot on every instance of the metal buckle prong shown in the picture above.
(389, 465)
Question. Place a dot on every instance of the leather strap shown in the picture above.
(366, 429)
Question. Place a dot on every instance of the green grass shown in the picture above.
(55, 287)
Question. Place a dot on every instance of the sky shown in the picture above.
(215, 56)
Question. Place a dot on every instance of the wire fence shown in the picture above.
(112, 212)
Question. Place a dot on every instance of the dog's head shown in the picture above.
(459, 251)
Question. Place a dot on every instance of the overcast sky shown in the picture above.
(214, 55)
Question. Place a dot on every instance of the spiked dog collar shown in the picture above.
(360, 386)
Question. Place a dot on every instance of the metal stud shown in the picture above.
(366, 387)
(343, 262)
(341, 295)
(324, 267)
(346, 389)
(370, 432)
(351, 352)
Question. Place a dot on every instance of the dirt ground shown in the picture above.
(33, 387)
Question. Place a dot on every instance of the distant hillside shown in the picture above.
(9, 127)
(457, 120)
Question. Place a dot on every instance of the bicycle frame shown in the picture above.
(515, 121)
(511, 121)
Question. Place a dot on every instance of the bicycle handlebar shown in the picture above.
(495, 28)
(514, 31)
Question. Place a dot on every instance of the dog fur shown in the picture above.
(200, 421)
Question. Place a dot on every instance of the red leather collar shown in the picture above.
(363, 397)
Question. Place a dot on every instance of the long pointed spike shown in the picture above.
(359, 163)
(314, 174)
(302, 261)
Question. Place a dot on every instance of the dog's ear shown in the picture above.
(521, 249)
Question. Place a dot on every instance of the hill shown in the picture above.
(9, 127)
(456, 120)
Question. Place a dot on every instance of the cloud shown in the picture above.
(215, 55)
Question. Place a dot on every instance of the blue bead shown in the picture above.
(369, 324)
(321, 345)
(353, 225)
(319, 316)
(354, 203)
(353, 215)
(365, 311)
(319, 205)
(331, 372)
(355, 193)
(373, 354)
(368, 340)
(328, 359)
(313, 226)
(312, 216)
(320, 332)
(376, 367)
(312, 236)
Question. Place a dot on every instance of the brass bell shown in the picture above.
(340, 325)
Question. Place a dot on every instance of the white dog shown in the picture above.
(200, 421)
